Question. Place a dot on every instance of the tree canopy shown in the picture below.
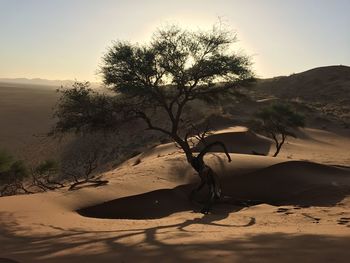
(177, 66)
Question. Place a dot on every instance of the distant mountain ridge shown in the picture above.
(326, 89)
(321, 84)
(41, 82)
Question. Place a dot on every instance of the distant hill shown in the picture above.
(326, 89)
(40, 82)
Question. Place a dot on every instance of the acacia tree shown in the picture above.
(277, 122)
(161, 78)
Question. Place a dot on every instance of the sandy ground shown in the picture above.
(144, 215)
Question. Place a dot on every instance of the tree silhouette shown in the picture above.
(158, 83)
(277, 122)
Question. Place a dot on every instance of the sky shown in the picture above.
(66, 39)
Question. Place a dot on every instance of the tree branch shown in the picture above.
(148, 121)
(208, 147)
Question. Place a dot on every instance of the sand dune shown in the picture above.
(291, 183)
(239, 142)
(237, 139)
(327, 147)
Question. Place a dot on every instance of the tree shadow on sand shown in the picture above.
(149, 245)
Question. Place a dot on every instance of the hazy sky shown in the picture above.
(65, 39)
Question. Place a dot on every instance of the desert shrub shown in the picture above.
(12, 175)
(46, 176)
(277, 121)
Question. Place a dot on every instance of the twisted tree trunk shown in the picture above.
(279, 144)
(207, 176)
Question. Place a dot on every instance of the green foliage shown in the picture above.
(19, 170)
(11, 169)
(16, 178)
(12, 174)
(278, 119)
(47, 167)
(80, 108)
(6, 161)
(175, 58)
